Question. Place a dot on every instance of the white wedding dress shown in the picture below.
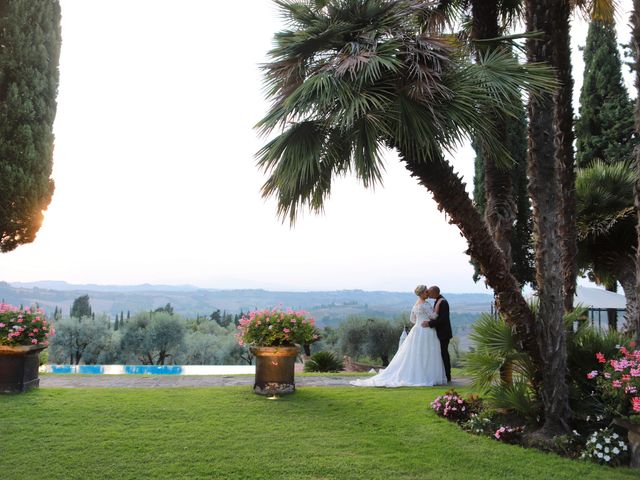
(418, 362)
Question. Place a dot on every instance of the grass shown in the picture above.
(231, 433)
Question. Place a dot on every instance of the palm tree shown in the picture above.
(606, 226)
(547, 16)
(635, 44)
(353, 77)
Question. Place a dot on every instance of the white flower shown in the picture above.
(607, 440)
(606, 449)
(598, 446)
(607, 458)
(600, 455)
(615, 435)
(624, 448)
(616, 450)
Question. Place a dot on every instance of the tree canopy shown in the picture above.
(30, 40)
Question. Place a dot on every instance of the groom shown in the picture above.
(442, 324)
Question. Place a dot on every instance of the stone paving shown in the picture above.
(169, 381)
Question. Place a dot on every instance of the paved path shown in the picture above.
(168, 381)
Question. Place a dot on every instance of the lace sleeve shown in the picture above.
(412, 317)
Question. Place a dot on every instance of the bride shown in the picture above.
(418, 362)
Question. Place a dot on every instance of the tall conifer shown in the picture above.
(29, 53)
(605, 127)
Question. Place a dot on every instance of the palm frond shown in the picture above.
(518, 397)
(367, 74)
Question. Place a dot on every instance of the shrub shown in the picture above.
(570, 445)
(323, 362)
(479, 424)
(619, 381)
(606, 447)
(452, 407)
(508, 434)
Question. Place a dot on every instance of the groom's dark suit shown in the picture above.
(442, 324)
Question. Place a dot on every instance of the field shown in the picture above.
(231, 433)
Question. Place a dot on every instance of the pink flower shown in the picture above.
(600, 357)
(2, 325)
(286, 330)
(616, 383)
(34, 341)
(636, 404)
(592, 374)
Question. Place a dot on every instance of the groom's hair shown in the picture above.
(435, 289)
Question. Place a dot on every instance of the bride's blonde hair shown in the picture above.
(420, 289)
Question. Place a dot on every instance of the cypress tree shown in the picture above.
(605, 128)
(29, 55)
(81, 307)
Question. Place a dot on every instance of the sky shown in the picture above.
(155, 174)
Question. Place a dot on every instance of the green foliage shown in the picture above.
(153, 338)
(517, 397)
(495, 348)
(75, 341)
(583, 342)
(30, 40)
(349, 79)
(606, 219)
(479, 424)
(522, 265)
(81, 307)
(323, 362)
(166, 309)
(373, 337)
(501, 368)
(605, 127)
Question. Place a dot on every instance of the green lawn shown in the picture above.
(231, 433)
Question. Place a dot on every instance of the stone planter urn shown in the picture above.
(274, 370)
(633, 436)
(19, 368)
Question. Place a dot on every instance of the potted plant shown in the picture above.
(274, 337)
(619, 382)
(23, 335)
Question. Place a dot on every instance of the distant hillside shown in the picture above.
(328, 307)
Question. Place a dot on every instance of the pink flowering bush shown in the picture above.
(509, 434)
(23, 326)
(273, 328)
(453, 407)
(619, 381)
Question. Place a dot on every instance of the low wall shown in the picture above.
(150, 369)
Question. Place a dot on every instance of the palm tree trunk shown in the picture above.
(545, 193)
(627, 278)
(564, 149)
(634, 323)
(449, 192)
(500, 209)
